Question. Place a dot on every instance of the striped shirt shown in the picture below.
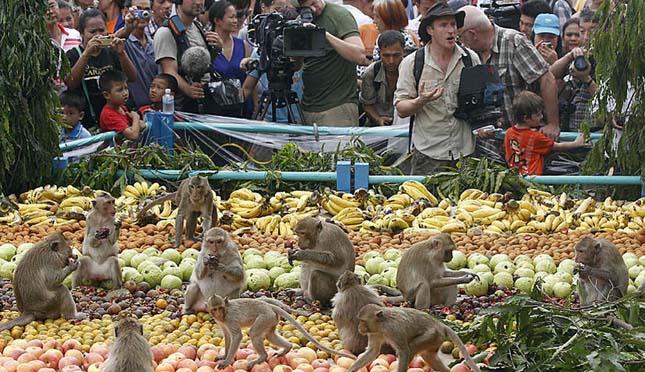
(519, 64)
(69, 38)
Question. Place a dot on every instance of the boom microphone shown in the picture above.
(195, 62)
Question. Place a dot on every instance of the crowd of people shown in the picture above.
(384, 62)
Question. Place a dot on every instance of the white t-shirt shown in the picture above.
(359, 16)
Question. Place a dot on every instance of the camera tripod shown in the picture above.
(278, 98)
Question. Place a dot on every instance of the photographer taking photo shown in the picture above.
(171, 40)
(330, 85)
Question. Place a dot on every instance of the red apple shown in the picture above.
(76, 354)
(394, 365)
(205, 369)
(165, 367)
(416, 370)
(70, 368)
(184, 370)
(379, 362)
(189, 351)
(344, 362)
(202, 349)
(297, 362)
(306, 367)
(52, 344)
(91, 358)
(336, 369)
(241, 364)
(321, 369)
(36, 343)
(21, 343)
(284, 368)
(261, 367)
(100, 348)
(70, 361)
(206, 363)
(379, 368)
(243, 353)
(96, 367)
(417, 362)
(13, 352)
(51, 358)
(320, 363)
(472, 349)
(176, 356)
(390, 358)
(187, 363)
(35, 351)
(25, 358)
(71, 344)
(46, 369)
(157, 353)
(210, 355)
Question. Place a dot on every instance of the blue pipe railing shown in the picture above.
(287, 129)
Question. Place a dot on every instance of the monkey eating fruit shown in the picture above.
(38, 282)
(130, 351)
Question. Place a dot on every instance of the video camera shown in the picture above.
(480, 96)
(505, 13)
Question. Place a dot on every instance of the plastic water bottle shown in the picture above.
(168, 101)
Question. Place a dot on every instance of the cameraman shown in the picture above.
(330, 85)
(168, 57)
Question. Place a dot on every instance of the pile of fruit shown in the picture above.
(413, 209)
(510, 244)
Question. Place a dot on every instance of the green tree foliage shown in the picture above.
(28, 102)
(618, 47)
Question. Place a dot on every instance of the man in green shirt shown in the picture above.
(330, 90)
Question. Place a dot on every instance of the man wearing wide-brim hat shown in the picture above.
(438, 137)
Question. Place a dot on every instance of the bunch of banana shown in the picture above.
(472, 194)
(486, 215)
(350, 217)
(268, 224)
(635, 209)
(11, 218)
(454, 226)
(162, 224)
(245, 194)
(33, 214)
(166, 211)
(417, 190)
(399, 201)
(519, 210)
(434, 222)
(250, 209)
(241, 222)
(51, 194)
(141, 190)
(32, 196)
(71, 190)
(333, 203)
(84, 202)
(373, 199)
(597, 220)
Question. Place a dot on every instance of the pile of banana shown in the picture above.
(412, 209)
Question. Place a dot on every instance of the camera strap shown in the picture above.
(85, 90)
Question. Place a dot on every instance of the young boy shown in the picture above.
(115, 116)
(524, 145)
(73, 112)
(158, 88)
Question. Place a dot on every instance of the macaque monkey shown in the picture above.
(100, 247)
(130, 351)
(602, 272)
(409, 332)
(193, 198)
(326, 253)
(38, 282)
(349, 300)
(262, 317)
(424, 279)
(218, 270)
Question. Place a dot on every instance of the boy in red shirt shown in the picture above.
(115, 116)
(524, 145)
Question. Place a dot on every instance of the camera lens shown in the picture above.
(580, 63)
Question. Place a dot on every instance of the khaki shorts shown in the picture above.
(423, 165)
(345, 115)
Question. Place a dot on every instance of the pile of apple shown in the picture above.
(52, 356)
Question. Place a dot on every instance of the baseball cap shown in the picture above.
(439, 10)
(547, 23)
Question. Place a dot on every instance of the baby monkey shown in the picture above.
(263, 318)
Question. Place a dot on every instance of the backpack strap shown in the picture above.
(466, 59)
(377, 68)
(419, 60)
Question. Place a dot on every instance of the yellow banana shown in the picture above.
(453, 227)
